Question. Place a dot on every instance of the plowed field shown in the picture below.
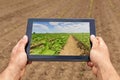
(13, 21)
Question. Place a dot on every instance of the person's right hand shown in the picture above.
(99, 54)
(100, 60)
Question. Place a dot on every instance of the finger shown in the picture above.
(14, 49)
(94, 69)
(22, 43)
(29, 62)
(94, 41)
(101, 41)
(22, 72)
(90, 64)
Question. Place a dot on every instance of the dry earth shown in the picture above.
(13, 19)
(73, 47)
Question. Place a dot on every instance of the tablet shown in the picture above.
(59, 39)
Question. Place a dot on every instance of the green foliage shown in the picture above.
(84, 38)
(53, 43)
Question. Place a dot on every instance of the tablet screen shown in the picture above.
(60, 38)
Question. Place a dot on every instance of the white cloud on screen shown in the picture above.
(62, 27)
(39, 28)
(53, 23)
(70, 27)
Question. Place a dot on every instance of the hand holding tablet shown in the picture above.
(59, 39)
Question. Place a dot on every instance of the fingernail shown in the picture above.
(92, 36)
(24, 37)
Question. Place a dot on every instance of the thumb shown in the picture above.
(22, 43)
(94, 41)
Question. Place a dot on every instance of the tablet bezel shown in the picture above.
(56, 58)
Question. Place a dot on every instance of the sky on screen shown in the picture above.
(61, 27)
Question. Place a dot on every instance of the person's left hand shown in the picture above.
(18, 61)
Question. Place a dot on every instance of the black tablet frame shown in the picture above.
(56, 58)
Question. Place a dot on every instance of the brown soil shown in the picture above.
(13, 19)
(72, 47)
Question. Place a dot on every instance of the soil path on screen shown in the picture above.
(72, 47)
